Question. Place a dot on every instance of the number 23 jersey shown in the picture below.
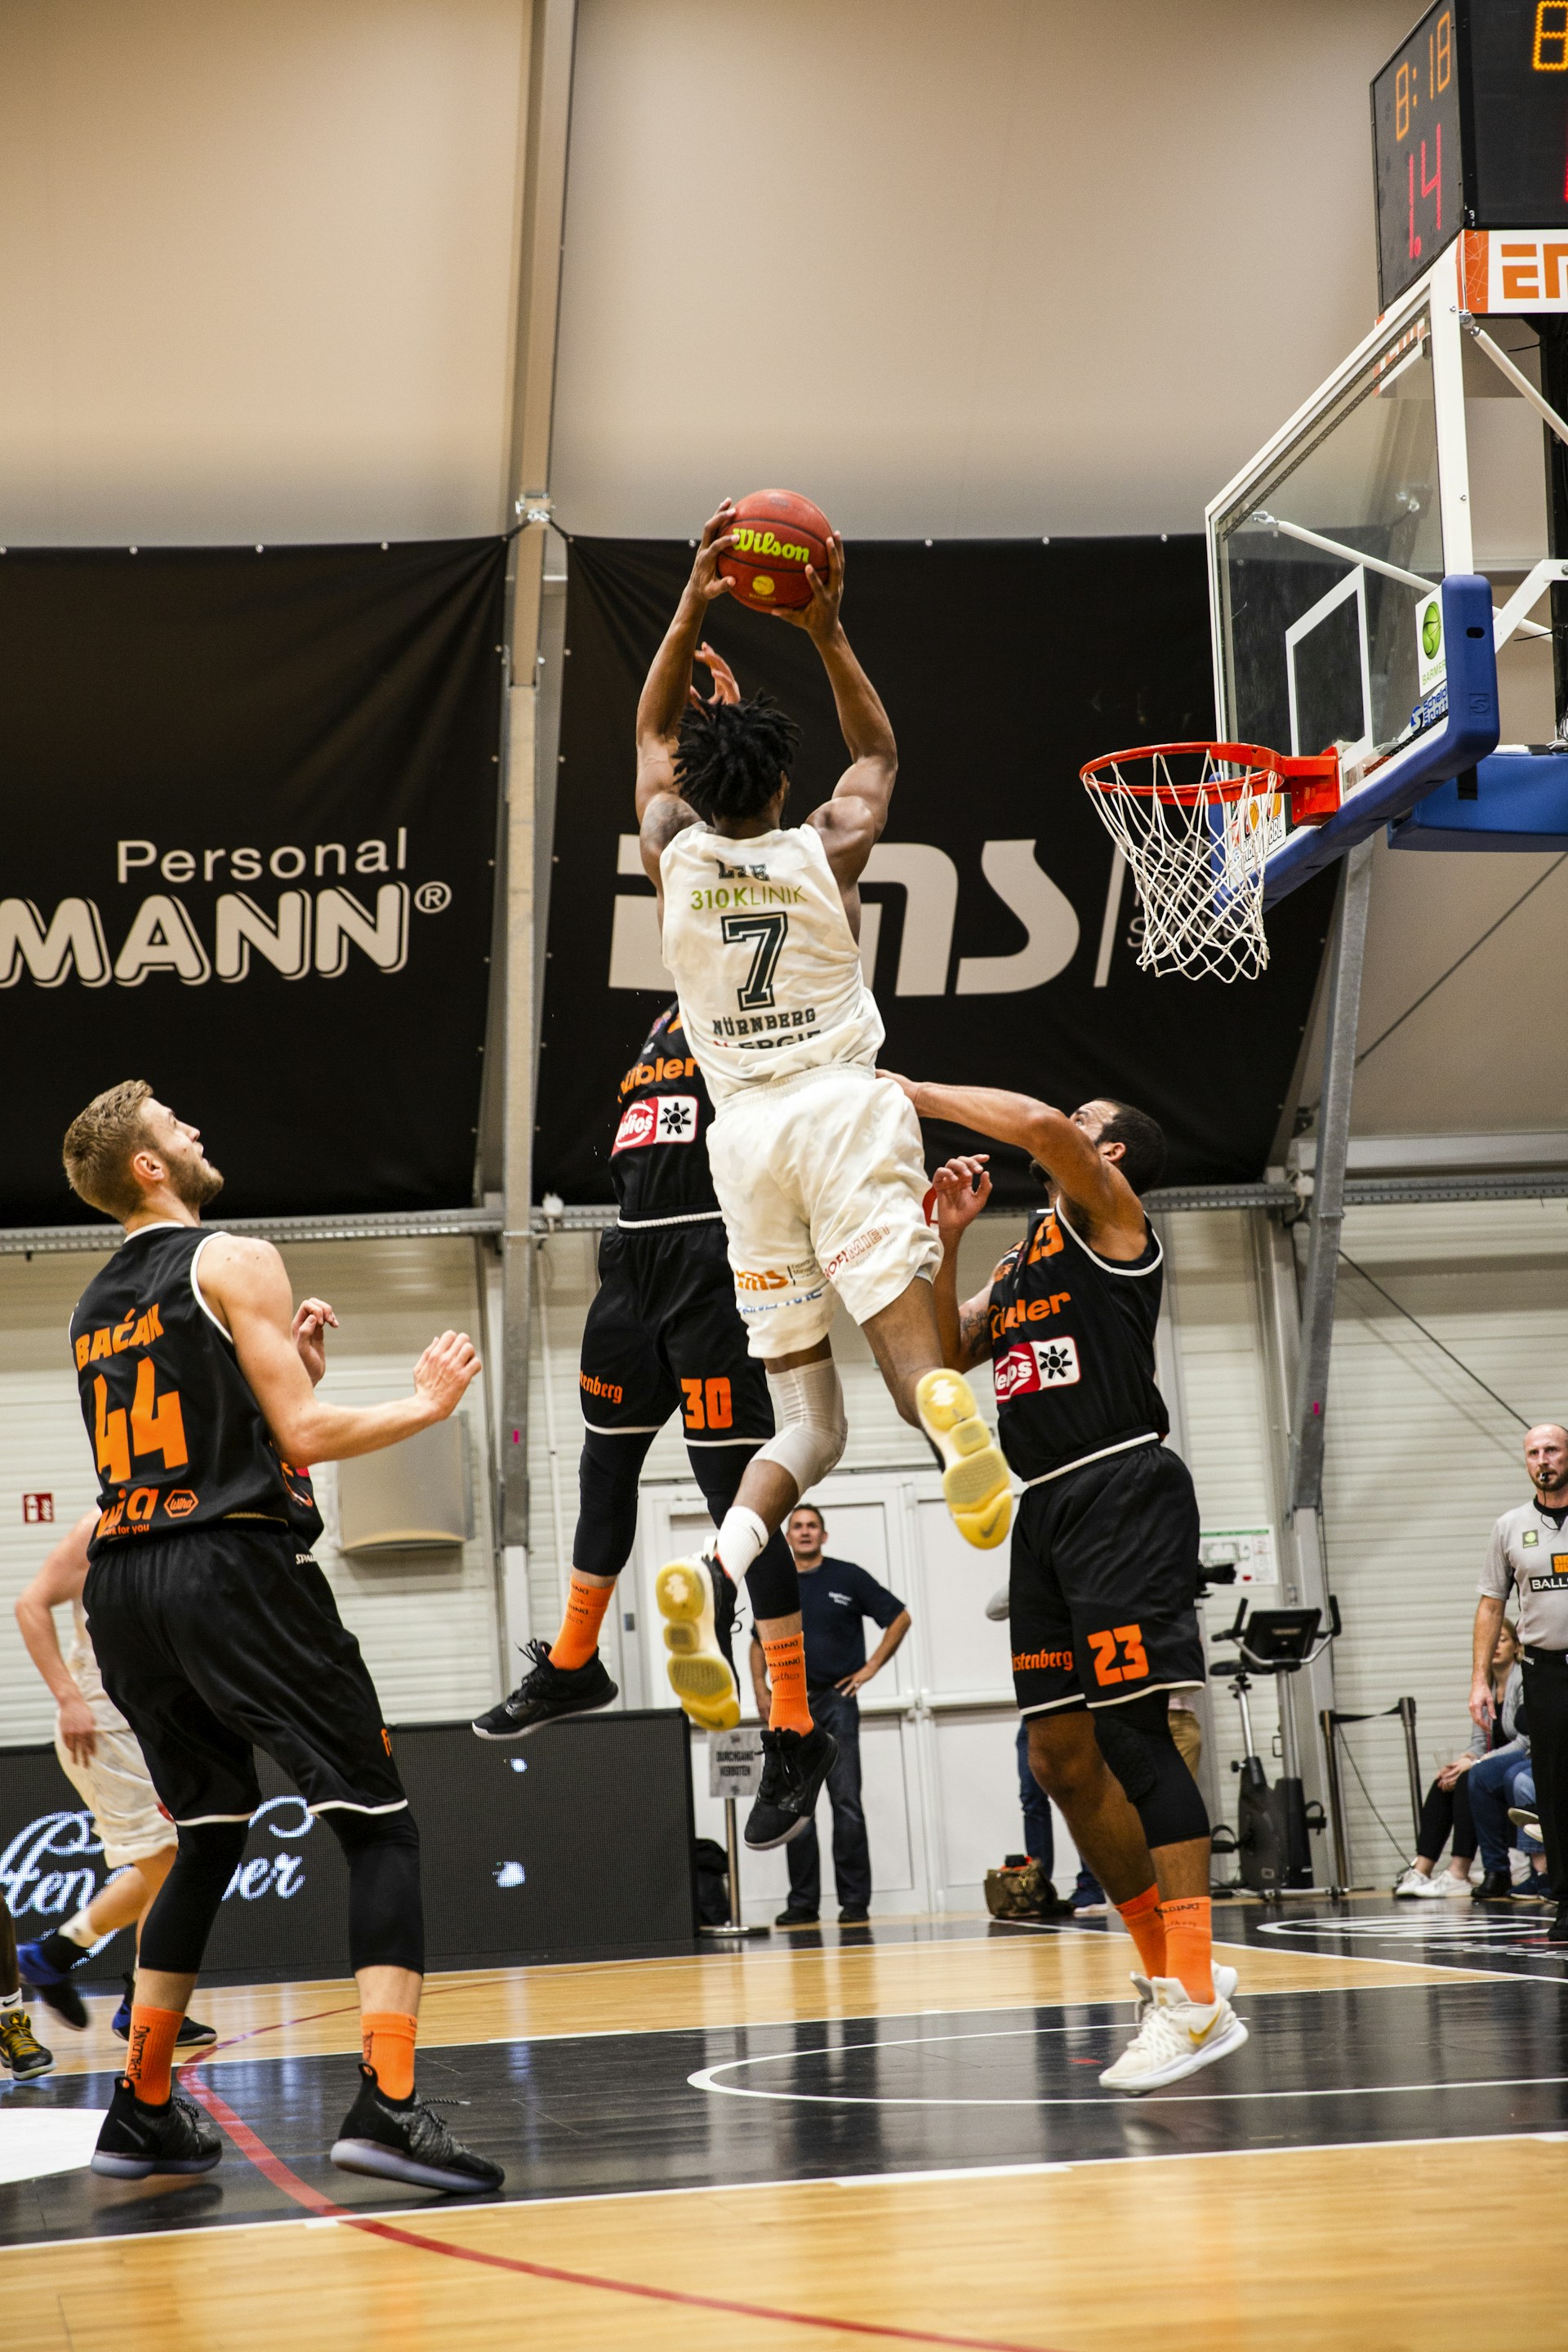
(177, 1434)
(1072, 1348)
(766, 965)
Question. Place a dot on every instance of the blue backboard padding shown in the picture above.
(1465, 737)
(1520, 802)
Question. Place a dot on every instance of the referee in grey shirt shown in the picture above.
(1528, 1549)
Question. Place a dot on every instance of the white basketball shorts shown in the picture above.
(822, 1180)
(118, 1787)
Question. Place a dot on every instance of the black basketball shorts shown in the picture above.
(663, 1333)
(1103, 1583)
(226, 1639)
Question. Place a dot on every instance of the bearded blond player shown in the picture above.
(816, 1159)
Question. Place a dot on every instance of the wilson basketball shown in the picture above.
(777, 534)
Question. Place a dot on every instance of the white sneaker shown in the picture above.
(1225, 1984)
(688, 1592)
(975, 1480)
(1417, 1885)
(1456, 1886)
(1176, 2037)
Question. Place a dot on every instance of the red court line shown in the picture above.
(282, 2177)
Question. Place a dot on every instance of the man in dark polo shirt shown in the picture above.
(836, 1599)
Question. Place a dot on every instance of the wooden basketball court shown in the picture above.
(895, 2136)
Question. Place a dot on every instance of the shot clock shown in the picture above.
(1470, 122)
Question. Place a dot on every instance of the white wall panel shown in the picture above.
(1004, 269)
(426, 1622)
(1419, 1463)
(256, 268)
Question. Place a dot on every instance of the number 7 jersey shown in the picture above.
(766, 966)
(175, 1427)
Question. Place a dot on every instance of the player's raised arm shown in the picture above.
(1069, 1148)
(661, 811)
(852, 823)
(961, 1187)
(245, 1282)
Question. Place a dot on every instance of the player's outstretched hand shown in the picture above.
(312, 1318)
(820, 617)
(707, 581)
(961, 1187)
(726, 686)
(444, 1371)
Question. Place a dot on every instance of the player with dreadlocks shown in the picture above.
(817, 1161)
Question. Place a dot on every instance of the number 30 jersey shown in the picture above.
(1072, 1348)
(175, 1427)
(765, 961)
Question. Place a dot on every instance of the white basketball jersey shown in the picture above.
(764, 962)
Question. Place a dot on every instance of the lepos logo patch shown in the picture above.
(657, 1118)
(1037, 1364)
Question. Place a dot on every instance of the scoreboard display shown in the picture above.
(1469, 123)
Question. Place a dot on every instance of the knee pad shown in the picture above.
(811, 1432)
(608, 1474)
(772, 1581)
(1135, 1741)
(175, 1934)
(386, 1916)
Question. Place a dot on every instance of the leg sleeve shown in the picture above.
(608, 1470)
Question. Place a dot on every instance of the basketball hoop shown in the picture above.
(1196, 824)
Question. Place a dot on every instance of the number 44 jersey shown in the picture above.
(175, 1427)
(765, 963)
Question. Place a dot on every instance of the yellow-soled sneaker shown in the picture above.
(974, 1480)
(690, 1593)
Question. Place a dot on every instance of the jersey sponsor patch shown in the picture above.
(1037, 1364)
(657, 1118)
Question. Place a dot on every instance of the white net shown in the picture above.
(1195, 830)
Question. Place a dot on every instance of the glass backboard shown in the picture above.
(1326, 560)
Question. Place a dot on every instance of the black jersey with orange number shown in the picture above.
(1072, 1347)
(175, 1427)
(659, 1161)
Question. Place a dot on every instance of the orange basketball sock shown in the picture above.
(387, 2039)
(579, 1636)
(1147, 1930)
(1189, 1945)
(147, 2069)
(786, 1672)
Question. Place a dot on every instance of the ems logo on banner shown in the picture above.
(657, 1118)
(1037, 1364)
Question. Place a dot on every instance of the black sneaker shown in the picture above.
(1557, 1933)
(794, 1918)
(855, 1915)
(52, 1985)
(1497, 1887)
(794, 1770)
(193, 2034)
(546, 1694)
(20, 2048)
(403, 2139)
(137, 2141)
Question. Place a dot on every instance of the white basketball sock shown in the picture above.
(741, 1540)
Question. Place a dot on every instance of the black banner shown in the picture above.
(582, 1847)
(249, 826)
(999, 956)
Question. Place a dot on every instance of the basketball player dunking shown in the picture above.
(216, 1633)
(1105, 1566)
(817, 1161)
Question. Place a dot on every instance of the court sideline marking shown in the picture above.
(273, 2168)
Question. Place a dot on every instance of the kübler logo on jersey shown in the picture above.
(1038, 1364)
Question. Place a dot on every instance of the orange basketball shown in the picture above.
(777, 534)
